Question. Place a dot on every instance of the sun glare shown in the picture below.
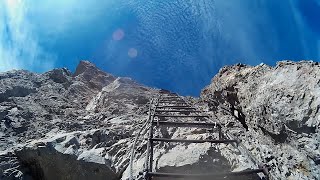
(11, 3)
(118, 35)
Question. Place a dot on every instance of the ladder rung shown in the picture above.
(171, 97)
(186, 124)
(182, 107)
(172, 100)
(181, 116)
(175, 103)
(176, 108)
(193, 140)
(182, 111)
(178, 175)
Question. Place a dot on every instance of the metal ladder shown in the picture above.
(168, 103)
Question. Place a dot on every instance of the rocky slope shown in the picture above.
(60, 125)
(274, 111)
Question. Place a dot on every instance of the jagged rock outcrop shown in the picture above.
(60, 125)
(274, 110)
(64, 157)
(95, 78)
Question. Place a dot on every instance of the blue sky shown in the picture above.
(178, 45)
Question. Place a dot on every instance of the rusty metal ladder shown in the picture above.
(177, 104)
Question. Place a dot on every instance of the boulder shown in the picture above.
(60, 157)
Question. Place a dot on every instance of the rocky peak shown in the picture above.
(93, 76)
(84, 66)
(62, 75)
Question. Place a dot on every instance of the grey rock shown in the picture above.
(11, 167)
(52, 159)
(62, 76)
(83, 125)
(94, 77)
(16, 84)
(32, 120)
(277, 109)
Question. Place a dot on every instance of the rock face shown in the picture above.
(93, 77)
(59, 125)
(60, 157)
(275, 111)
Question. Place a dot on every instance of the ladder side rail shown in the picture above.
(132, 154)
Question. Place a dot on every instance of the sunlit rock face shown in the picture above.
(275, 111)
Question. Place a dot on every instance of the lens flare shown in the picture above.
(118, 35)
(12, 3)
(132, 53)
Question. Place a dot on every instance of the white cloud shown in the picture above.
(19, 48)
